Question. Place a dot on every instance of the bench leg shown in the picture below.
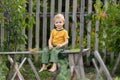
(17, 70)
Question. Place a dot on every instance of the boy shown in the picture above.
(57, 41)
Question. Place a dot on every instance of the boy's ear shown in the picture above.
(64, 21)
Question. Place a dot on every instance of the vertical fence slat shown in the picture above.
(106, 3)
(96, 34)
(52, 14)
(23, 46)
(104, 34)
(37, 22)
(74, 23)
(67, 15)
(89, 28)
(2, 32)
(30, 31)
(81, 37)
(59, 6)
(44, 23)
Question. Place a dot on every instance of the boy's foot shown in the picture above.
(42, 69)
(53, 69)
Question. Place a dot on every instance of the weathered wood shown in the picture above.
(74, 23)
(37, 28)
(44, 40)
(37, 23)
(103, 65)
(105, 34)
(2, 32)
(39, 52)
(116, 64)
(67, 15)
(81, 38)
(89, 29)
(30, 34)
(52, 14)
(59, 6)
(71, 64)
(106, 3)
(115, 2)
(96, 34)
(34, 70)
(17, 70)
(98, 70)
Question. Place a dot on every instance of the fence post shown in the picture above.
(102, 65)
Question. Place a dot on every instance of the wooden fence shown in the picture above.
(74, 12)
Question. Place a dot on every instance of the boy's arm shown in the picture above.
(50, 43)
(63, 44)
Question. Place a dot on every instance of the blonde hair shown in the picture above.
(59, 16)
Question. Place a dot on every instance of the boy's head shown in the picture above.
(59, 16)
(59, 21)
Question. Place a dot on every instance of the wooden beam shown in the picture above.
(39, 52)
(33, 68)
(103, 65)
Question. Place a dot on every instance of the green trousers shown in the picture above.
(51, 55)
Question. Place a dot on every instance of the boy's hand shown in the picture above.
(59, 45)
(50, 47)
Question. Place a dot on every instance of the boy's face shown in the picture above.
(59, 23)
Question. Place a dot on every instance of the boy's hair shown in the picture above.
(59, 16)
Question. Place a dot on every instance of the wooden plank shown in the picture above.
(98, 57)
(23, 45)
(74, 23)
(70, 14)
(104, 34)
(81, 37)
(89, 29)
(96, 34)
(30, 31)
(106, 3)
(98, 71)
(44, 41)
(77, 66)
(67, 15)
(39, 52)
(59, 6)
(52, 14)
(2, 32)
(34, 69)
(18, 68)
(71, 63)
(37, 23)
(15, 65)
(116, 64)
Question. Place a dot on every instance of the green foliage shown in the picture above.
(113, 28)
(14, 23)
(3, 68)
(98, 8)
(117, 78)
(65, 72)
(14, 17)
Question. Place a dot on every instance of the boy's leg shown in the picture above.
(45, 58)
(54, 58)
(54, 54)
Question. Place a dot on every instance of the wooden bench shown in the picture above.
(71, 55)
